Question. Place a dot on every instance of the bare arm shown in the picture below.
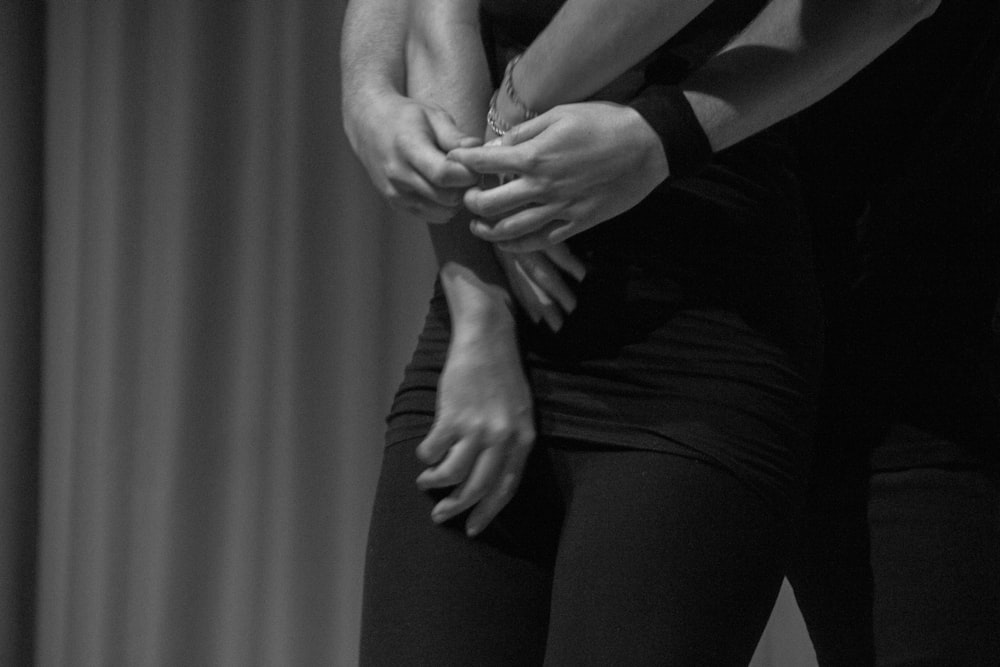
(483, 428)
(589, 43)
(371, 59)
(794, 53)
(446, 66)
(400, 141)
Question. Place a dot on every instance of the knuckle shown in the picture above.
(487, 209)
(426, 454)
(499, 428)
(531, 160)
(439, 174)
(475, 206)
(390, 193)
(395, 173)
(471, 422)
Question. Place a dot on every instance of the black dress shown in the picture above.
(697, 330)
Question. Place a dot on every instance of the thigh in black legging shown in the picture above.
(604, 557)
(935, 535)
(433, 596)
(663, 560)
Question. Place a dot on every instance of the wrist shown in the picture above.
(494, 323)
(507, 109)
(474, 304)
(648, 143)
(365, 103)
(667, 110)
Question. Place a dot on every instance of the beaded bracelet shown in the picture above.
(508, 80)
(493, 119)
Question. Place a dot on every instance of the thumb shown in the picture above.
(446, 133)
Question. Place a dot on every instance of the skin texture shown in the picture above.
(484, 427)
(793, 53)
(444, 65)
(579, 165)
(400, 141)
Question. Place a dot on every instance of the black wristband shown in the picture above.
(669, 113)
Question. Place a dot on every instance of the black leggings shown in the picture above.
(604, 557)
(903, 569)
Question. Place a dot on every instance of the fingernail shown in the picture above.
(469, 142)
(472, 531)
(478, 227)
(438, 516)
(495, 142)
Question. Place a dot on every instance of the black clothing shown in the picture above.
(897, 560)
(674, 413)
(898, 566)
(697, 329)
(910, 151)
(604, 557)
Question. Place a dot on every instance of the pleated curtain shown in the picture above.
(206, 309)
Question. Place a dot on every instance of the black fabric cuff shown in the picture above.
(670, 115)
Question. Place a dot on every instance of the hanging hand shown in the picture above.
(538, 282)
(483, 429)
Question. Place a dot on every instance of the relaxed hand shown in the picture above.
(578, 165)
(538, 282)
(483, 429)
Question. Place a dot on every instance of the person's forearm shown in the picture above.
(371, 54)
(446, 66)
(589, 43)
(794, 53)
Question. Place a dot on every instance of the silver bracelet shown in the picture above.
(493, 119)
(508, 80)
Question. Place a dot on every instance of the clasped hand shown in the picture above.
(402, 144)
(577, 165)
(483, 428)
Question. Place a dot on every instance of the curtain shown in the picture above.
(21, 58)
(208, 311)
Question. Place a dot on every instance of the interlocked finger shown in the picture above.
(550, 234)
(484, 476)
(517, 225)
(453, 469)
(435, 446)
(494, 501)
(541, 271)
(495, 202)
